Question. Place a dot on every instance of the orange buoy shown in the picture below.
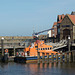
(22, 54)
(6, 50)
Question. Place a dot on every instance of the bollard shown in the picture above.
(43, 58)
(38, 57)
(65, 57)
(73, 53)
(38, 65)
(61, 60)
(56, 57)
(52, 57)
(70, 57)
(47, 58)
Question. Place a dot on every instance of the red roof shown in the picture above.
(60, 21)
(55, 23)
(72, 18)
(59, 16)
(62, 18)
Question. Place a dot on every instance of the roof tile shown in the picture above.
(55, 23)
(72, 18)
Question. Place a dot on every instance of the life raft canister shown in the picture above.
(6, 50)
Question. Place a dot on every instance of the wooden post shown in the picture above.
(38, 57)
(43, 58)
(14, 50)
(65, 57)
(70, 57)
(47, 58)
(73, 53)
(2, 47)
(52, 57)
(56, 57)
(61, 59)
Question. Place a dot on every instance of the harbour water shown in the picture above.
(12, 68)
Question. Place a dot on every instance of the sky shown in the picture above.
(21, 17)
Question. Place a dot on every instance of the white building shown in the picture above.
(49, 33)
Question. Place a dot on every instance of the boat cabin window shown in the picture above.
(48, 48)
(41, 48)
(45, 48)
(36, 46)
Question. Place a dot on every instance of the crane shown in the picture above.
(35, 35)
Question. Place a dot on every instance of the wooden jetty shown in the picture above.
(63, 57)
(67, 57)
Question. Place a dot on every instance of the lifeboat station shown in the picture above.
(63, 33)
(61, 37)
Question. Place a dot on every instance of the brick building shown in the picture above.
(64, 27)
(67, 27)
(59, 20)
(54, 31)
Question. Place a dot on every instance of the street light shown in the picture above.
(69, 42)
(2, 45)
(69, 37)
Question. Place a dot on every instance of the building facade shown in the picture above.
(67, 27)
(51, 35)
(54, 31)
(59, 20)
(64, 27)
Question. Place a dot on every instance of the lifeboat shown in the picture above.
(30, 53)
(38, 46)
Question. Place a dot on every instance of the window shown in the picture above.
(53, 34)
(58, 31)
(55, 26)
(65, 25)
(36, 46)
(53, 30)
(48, 48)
(41, 48)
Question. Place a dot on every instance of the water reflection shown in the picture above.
(12, 68)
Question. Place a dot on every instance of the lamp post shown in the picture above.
(70, 56)
(13, 45)
(2, 46)
(69, 43)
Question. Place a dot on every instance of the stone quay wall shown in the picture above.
(14, 40)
